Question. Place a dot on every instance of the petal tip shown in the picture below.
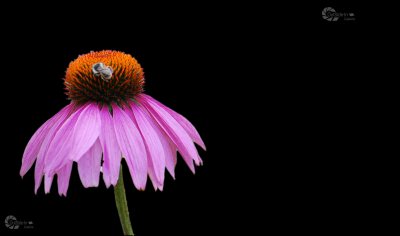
(203, 146)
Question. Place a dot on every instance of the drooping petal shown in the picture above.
(169, 148)
(33, 147)
(60, 146)
(34, 144)
(152, 140)
(185, 123)
(131, 145)
(155, 182)
(171, 159)
(89, 166)
(59, 119)
(63, 176)
(174, 131)
(150, 167)
(74, 138)
(111, 151)
(86, 131)
(48, 180)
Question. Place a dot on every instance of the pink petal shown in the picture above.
(174, 131)
(34, 144)
(152, 140)
(74, 138)
(48, 180)
(63, 176)
(150, 167)
(86, 131)
(155, 182)
(59, 118)
(170, 160)
(61, 144)
(189, 128)
(33, 147)
(131, 145)
(111, 151)
(89, 166)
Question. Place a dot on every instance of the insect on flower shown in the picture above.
(105, 72)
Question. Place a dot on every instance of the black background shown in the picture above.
(270, 90)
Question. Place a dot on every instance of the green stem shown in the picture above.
(122, 205)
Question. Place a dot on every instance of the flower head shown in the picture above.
(105, 76)
(109, 119)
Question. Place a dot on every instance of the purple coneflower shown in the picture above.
(110, 119)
